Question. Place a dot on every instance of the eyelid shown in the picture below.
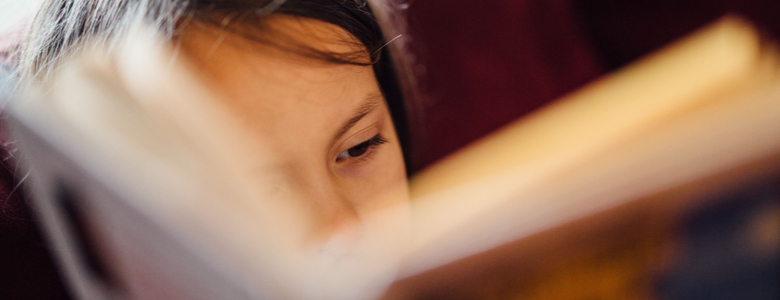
(373, 142)
(375, 123)
(356, 137)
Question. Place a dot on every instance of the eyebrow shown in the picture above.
(371, 103)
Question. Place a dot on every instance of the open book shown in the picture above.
(138, 175)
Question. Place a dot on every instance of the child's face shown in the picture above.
(327, 125)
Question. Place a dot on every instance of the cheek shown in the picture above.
(390, 169)
(380, 183)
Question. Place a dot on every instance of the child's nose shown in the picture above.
(337, 220)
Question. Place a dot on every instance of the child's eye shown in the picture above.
(362, 148)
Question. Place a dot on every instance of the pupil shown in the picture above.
(358, 150)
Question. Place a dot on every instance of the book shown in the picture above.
(643, 145)
(138, 176)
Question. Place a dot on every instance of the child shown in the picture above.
(323, 84)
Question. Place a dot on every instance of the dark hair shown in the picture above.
(63, 27)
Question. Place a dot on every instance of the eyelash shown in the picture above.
(368, 145)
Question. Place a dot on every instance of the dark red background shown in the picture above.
(490, 62)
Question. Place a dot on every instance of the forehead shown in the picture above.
(271, 86)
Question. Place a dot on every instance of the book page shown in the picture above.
(633, 133)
